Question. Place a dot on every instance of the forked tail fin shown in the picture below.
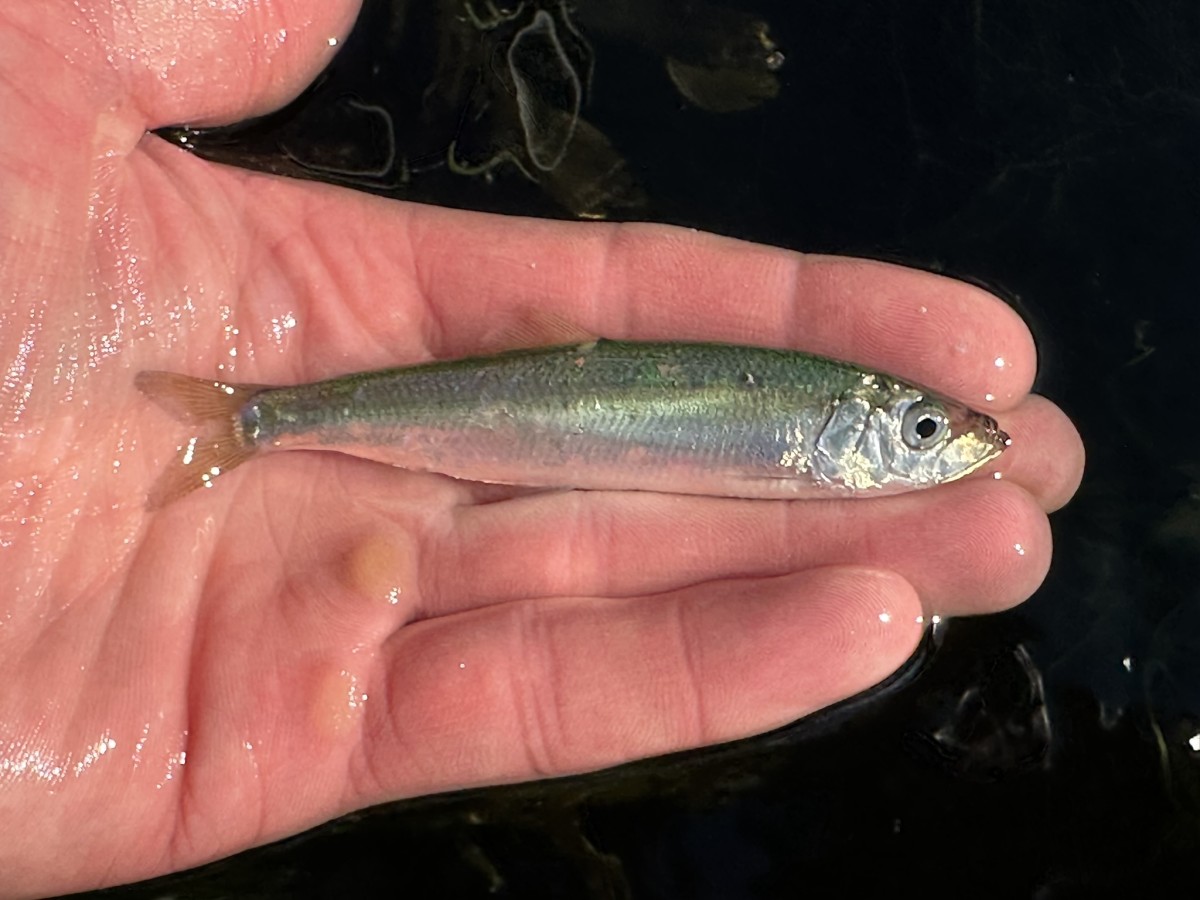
(217, 443)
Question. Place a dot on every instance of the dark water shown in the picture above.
(1048, 149)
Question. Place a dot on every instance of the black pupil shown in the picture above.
(926, 427)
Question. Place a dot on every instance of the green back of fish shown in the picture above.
(694, 382)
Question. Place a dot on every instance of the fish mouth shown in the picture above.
(984, 429)
(994, 438)
(980, 441)
(994, 434)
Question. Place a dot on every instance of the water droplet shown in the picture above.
(279, 326)
(1020, 550)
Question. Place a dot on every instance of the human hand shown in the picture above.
(320, 633)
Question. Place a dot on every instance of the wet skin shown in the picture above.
(320, 633)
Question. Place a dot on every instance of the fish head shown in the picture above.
(891, 437)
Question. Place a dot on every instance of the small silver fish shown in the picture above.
(710, 419)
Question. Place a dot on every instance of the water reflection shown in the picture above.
(485, 91)
(548, 88)
(997, 725)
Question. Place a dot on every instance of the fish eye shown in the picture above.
(925, 426)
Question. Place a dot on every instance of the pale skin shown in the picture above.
(317, 633)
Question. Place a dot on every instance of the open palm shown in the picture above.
(319, 633)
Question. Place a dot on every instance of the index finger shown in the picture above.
(427, 281)
(657, 282)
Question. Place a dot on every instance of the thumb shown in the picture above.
(199, 61)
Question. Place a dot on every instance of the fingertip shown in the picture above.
(1004, 356)
(1046, 455)
(805, 641)
(947, 334)
(868, 622)
(1071, 457)
(1004, 553)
